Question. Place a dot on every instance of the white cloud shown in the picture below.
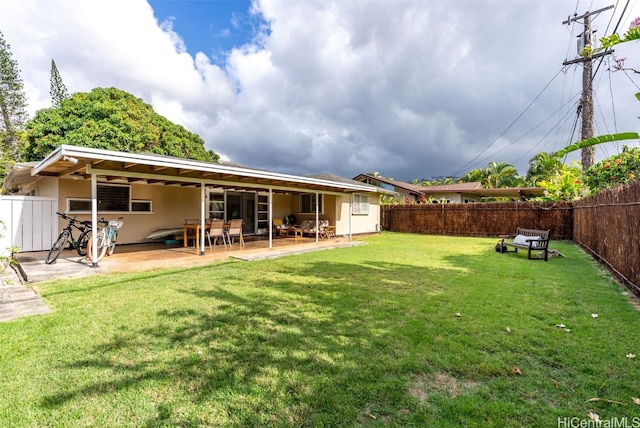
(409, 88)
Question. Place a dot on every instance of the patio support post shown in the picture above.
(350, 213)
(317, 216)
(202, 208)
(94, 220)
(270, 231)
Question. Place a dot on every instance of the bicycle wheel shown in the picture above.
(57, 247)
(102, 247)
(112, 244)
(83, 240)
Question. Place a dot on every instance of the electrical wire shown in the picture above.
(565, 116)
(554, 127)
(508, 127)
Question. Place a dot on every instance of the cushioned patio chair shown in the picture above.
(309, 227)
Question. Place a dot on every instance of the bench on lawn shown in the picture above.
(532, 240)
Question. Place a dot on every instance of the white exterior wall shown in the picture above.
(360, 223)
(29, 223)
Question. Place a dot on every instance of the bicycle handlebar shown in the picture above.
(73, 220)
(101, 221)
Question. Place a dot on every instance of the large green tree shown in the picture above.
(13, 108)
(112, 119)
(57, 89)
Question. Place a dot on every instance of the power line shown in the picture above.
(508, 127)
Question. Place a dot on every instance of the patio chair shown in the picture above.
(235, 229)
(215, 232)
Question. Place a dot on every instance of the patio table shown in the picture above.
(186, 228)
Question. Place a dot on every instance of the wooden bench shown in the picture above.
(532, 240)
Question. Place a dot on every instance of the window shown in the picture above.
(308, 203)
(111, 198)
(141, 206)
(216, 205)
(78, 205)
(360, 204)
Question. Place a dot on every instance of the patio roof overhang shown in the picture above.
(82, 162)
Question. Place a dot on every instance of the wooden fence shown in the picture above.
(476, 219)
(606, 225)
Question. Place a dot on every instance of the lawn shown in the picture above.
(406, 330)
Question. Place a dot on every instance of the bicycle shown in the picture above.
(66, 235)
(106, 239)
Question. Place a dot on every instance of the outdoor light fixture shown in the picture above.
(70, 159)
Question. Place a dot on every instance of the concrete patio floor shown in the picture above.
(140, 257)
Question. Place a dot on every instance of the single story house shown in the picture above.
(448, 193)
(153, 192)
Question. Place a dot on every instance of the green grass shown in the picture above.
(407, 330)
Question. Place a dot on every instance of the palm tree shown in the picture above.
(473, 176)
(541, 167)
(501, 175)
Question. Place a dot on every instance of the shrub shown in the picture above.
(614, 171)
(565, 185)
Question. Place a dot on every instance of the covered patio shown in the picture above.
(153, 193)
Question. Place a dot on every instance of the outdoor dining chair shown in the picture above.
(215, 232)
(235, 229)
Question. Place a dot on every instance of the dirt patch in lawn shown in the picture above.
(439, 383)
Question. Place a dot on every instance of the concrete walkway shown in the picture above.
(16, 300)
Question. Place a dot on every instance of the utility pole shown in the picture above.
(586, 103)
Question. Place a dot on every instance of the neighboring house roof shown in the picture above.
(81, 162)
(19, 176)
(452, 188)
(418, 189)
(470, 189)
(333, 177)
(390, 184)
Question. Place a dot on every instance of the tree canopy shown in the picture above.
(112, 119)
(13, 107)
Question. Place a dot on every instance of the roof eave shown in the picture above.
(75, 152)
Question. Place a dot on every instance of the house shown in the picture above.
(448, 193)
(153, 192)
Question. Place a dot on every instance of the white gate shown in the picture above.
(29, 223)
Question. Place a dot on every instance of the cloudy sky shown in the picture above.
(410, 89)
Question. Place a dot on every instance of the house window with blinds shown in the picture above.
(360, 204)
(111, 198)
